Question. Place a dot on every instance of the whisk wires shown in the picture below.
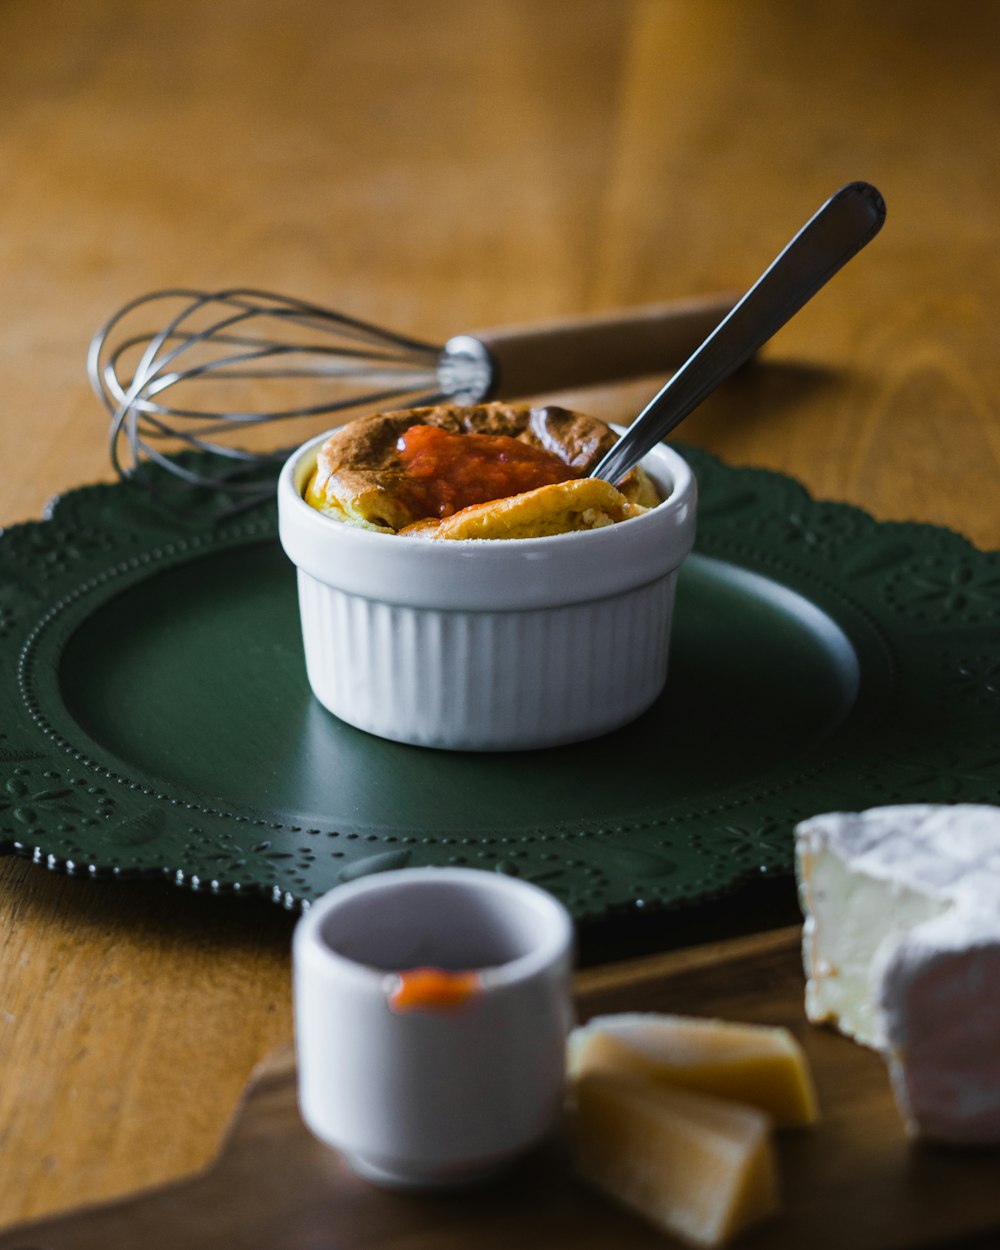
(258, 358)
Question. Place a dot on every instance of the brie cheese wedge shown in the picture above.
(901, 946)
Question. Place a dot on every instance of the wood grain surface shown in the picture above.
(441, 167)
(853, 1180)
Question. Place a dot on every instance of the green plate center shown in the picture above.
(193, 681)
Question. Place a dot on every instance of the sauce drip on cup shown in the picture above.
(433, 989)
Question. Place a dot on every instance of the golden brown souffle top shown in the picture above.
(361, 477)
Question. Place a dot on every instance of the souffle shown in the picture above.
(488, 471)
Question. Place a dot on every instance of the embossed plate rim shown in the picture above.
(924, 590)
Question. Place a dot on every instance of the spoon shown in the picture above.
(839, 230)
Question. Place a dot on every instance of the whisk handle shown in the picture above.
(584, 351)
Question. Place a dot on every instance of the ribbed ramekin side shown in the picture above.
(486, 680)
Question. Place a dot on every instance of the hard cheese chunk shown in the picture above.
(699, 1167)
(901, 946)
(764, 1067)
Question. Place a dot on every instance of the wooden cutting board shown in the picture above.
(853, 1182)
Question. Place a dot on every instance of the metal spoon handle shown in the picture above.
(846, 222)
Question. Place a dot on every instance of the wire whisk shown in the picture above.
(235, 360)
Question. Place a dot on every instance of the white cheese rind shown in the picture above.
(901, 948)
(940, 999)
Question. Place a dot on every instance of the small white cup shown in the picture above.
(413, 1090)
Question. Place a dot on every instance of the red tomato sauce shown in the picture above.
(433, 989)
(447, 472)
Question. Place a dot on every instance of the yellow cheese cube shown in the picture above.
(751, 1063)
(699, 1167)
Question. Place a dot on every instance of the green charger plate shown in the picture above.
(157, 721)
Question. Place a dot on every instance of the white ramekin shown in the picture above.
(488, 645)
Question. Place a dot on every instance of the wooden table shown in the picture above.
(440, 167)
